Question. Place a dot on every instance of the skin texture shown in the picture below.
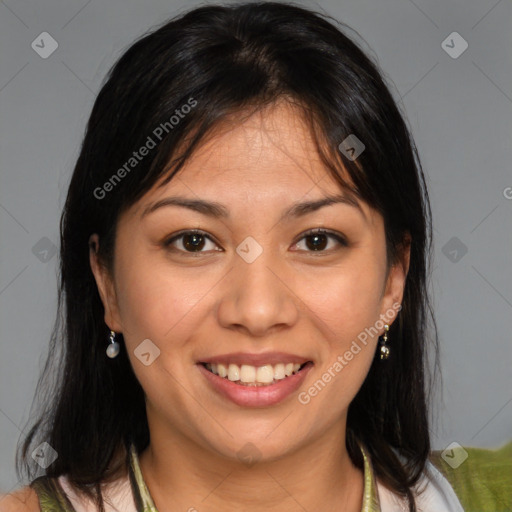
(21, 500)
(291, 298)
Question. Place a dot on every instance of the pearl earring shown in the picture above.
(113, 347)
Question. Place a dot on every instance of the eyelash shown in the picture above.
(319, 231)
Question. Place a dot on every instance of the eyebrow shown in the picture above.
(217, 210)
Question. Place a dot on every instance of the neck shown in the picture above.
(182, 475)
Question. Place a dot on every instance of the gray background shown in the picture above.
(460, 113)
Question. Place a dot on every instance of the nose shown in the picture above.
(258, 297)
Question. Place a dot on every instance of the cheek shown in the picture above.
(348, 299)
(348, 306)
(153, 301)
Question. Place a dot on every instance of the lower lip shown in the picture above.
(256, 396)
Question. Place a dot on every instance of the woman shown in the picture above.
(244, 252)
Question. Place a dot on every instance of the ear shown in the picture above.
(395, 282)
(105, 285)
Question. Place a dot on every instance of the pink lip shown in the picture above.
(256, 396)
(261, 359)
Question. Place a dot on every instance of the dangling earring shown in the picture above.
(113, 347)
(384, 349)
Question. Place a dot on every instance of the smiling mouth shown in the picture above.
(248, 375)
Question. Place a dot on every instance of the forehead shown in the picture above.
(267, 157)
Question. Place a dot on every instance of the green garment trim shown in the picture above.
(143, 500)
(52, 497)
(145, 503)
(483, 481)
(370, 494)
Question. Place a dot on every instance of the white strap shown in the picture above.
(437, 495)
(118, 497)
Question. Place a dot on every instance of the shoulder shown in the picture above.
(21, 500)
(481, 477)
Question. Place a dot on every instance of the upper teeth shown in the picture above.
(246, 373)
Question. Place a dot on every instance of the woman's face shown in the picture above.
(251, 291)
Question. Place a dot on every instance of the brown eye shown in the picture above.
(193, 241)
(190, 241)
(317, 240)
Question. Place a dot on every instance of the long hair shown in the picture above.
(221, 61)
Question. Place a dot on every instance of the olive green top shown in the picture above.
(482, 483)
